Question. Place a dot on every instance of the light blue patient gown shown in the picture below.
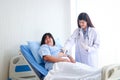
(49, 50)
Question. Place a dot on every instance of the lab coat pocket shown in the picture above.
(84, 52)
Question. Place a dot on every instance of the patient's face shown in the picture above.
(49, 41)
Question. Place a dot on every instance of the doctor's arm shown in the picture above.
(70, 41)
(96, 44)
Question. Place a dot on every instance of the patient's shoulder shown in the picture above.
(44, 46)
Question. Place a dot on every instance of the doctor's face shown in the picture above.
(49, 41)
(83, 24)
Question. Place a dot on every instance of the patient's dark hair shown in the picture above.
(44, 37)
(85, 17)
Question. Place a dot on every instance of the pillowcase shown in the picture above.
(58, 43)
(34, 47)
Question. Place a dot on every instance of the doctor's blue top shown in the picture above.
(91, 39)
(49, 50)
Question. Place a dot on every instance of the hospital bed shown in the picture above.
(25, 67)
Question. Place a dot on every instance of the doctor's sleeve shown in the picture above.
(96, 43)
(70, 41)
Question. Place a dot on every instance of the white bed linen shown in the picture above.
(73, 71)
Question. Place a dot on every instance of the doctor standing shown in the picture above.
(86, 40)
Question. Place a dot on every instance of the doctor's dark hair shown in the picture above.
(85, 17)
(44, 37)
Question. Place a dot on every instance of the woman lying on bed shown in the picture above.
(52, 53)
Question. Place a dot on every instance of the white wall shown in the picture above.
(24, 20)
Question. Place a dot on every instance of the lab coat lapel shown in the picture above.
(81, 35)
(89, 35)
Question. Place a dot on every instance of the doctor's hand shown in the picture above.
(85, 46)
(71, 59)
(63, 50)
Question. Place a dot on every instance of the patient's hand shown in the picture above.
(70, 58)
(66, 60)
(62, 55)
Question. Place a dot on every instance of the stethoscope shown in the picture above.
(84, 35)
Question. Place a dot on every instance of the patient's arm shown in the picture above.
(64, 55)
(54, 59)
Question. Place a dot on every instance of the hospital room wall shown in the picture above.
(25, 20)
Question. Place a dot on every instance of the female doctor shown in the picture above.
(86, 41)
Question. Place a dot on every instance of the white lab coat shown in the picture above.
(90, 56)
